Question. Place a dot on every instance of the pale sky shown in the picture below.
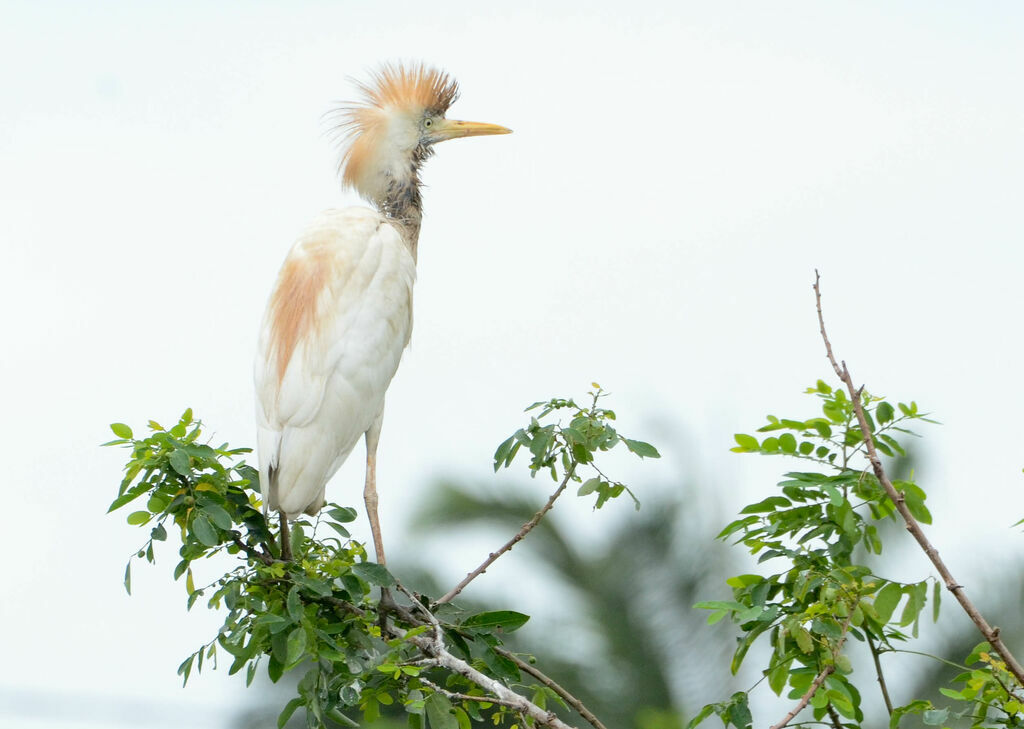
(677, 172)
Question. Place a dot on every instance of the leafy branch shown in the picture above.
(990, 634)
(569, 447)
(320, 612)
(818, 534)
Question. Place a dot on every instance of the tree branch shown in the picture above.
(818, 680)
(806, 698)
(878, 672)
(464, 697)
(579, 705)
(251, 551)
(991, 634)
(837, 722)
(433, 647)
(526, 529)
(575, 703)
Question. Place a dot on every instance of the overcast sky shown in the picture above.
(677, 172)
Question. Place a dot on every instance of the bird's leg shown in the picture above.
(370, 490)
(286, 540)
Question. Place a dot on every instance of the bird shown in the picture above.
(339, 316)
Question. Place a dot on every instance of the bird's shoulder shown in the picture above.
(349, 272)
(350, 226)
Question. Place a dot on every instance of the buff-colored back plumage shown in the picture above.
(393, 88)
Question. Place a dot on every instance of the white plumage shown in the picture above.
(332, 388)
(340, 314)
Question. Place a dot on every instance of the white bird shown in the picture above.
(340, 314)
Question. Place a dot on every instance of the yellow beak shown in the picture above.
(450, 129)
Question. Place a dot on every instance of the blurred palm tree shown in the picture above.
(649, 655)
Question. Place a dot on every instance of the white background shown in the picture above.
(677, 172)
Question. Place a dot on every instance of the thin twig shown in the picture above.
(837, 722)
(251, 551)
(526, 529)
(806, 698)
(991, 634)
(878, 672)
(466, 697)
(818, 680)
(575, 703)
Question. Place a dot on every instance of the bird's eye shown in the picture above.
(428, 122)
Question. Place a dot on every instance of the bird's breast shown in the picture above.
(340, 316)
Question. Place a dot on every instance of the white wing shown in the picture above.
(332, 337)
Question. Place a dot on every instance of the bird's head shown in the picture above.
(394, 127)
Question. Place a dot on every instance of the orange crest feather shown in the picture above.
(392, 88)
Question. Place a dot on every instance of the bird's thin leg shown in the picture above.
(370, 490)
(286, 540)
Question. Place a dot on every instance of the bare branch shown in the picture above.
(526, 529)
(575, 703)
(465, 697)
(991, 634)
(878, 672)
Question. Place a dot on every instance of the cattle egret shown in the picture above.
(340, 314)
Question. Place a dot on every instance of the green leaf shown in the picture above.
(320, 587)
(217, 514)
(128, 577)
(719, 605)
(778, 675)
(275, 623)
(644, 450)
(339, 529)
(787, 442)
(886, 601)
(884, 412)
(589, 486)
(288, 710)
(138, 517)
(746, 442)
(294, 604)
(186, 668)
(343, 514)
(803, 639)
(121, 430)
(501, 455)
(935, 717)
(738, 712)
(373, 573)
(128, 496)
(772, 503)
(439, 712)
(204, 531)
(180, 462)
(505, 620)
(296, 646)
(936, 600)
(704, 713)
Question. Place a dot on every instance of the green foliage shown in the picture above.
(328, 611)
(562, 450)
(822, 581)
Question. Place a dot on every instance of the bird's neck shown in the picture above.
(401, 203)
